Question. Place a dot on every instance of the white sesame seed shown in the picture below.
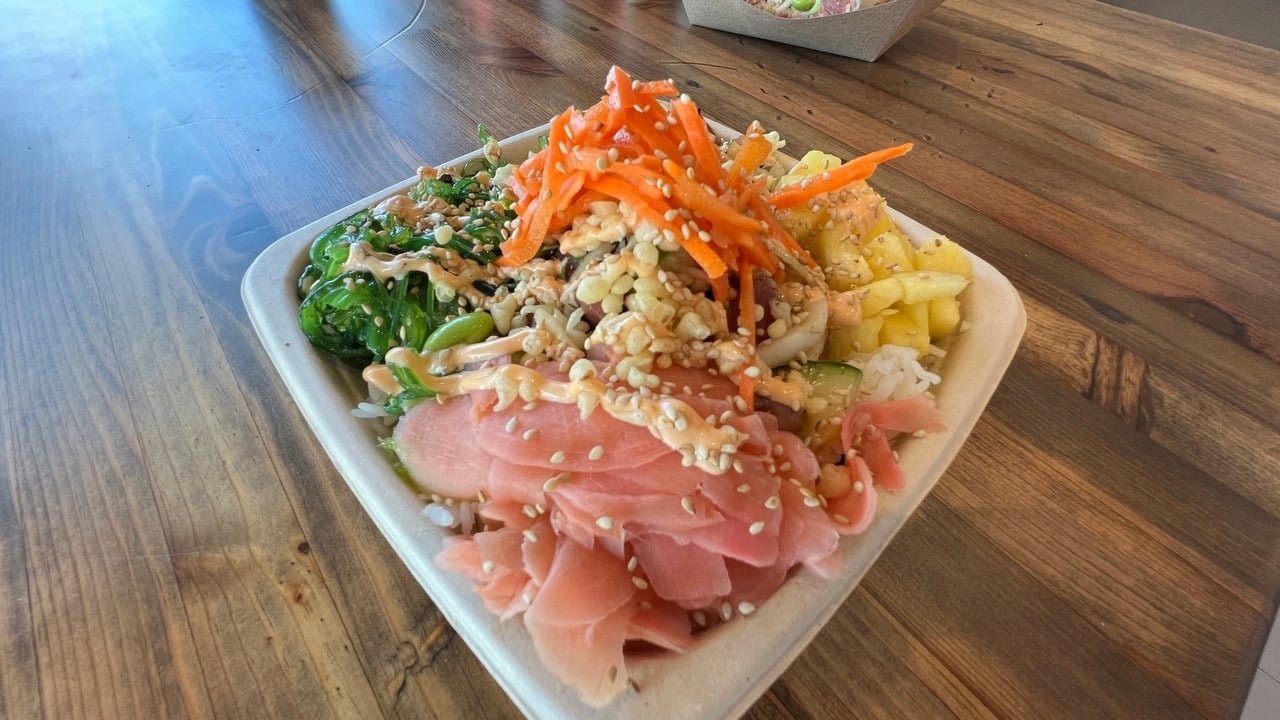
(773, 502)
(487, 566)
(746, 608)
(686, 502)
(756, 528)
(699, 618)
(737, 466)
(557, 457)
(777, 450)
(752, 372)
(531, 536)
(640, 582)
(596, 453)
(529, 511)
(812, 501)
(511, 424)
(858, 486)
(633, 563)
(841, 519)
(529, 434)
(604, 522)
(726, 610)
(744, 488)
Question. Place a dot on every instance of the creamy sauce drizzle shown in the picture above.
(674, 422)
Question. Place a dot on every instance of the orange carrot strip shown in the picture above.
(697, 197)
(747, 389)
(525, 242)
(720, 288)
(557, 144)
(705, 256)
(658, 88)
(569, 189)
(859, 168)
(706, 157)
(754, 150)
(623, 191)
(618, 85)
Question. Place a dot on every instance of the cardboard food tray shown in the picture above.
(861, 34)
(733, 664)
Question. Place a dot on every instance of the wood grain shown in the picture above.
(174, 543)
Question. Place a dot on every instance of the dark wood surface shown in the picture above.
(174, 542)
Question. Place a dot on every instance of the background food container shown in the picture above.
(862, 34)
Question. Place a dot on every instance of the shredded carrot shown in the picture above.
(629, 148)
(618, 85)
(706, 157)
(658, 88)
(859, 168)
(698, 197)
(752, 153)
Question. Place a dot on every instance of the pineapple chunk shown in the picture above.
(864, 337)
(943, 255)
(883, 224)
(889, 253)
(836, 250)
(944, 316)
(878, 295)
(919, 314)
(924, 286)
(813, 162)
(901, 330)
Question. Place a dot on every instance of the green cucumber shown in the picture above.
(827, 378)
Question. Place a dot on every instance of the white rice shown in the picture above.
(893, 372)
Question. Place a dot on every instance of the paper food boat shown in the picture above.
(862, 34)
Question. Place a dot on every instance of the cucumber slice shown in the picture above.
(826, 378)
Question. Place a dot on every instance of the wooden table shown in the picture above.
(174, 542)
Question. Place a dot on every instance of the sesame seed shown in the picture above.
(784, 467)
(557, 457)
(841, 519)
(529, 511)
(602, 164)
(744, 488)
(756, 528)
(700, 618)
(604, 522)
(746, 608)
(918, 433)
(529, 434)
(632, 563)
(596, 453)
(511, 424)
(858, 486)
(812, 501)
(686, 502)
(773, 502)
(777, 450)
(487, 566)
(527, 596)
(531, 536)
(737, 466)
(726, 610)
(752, 372)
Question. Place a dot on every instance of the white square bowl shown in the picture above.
(734, 663)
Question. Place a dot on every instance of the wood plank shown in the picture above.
(1008, 638)
(1239, 83)
(1115, 569)
(864, 663)
(1194, 508)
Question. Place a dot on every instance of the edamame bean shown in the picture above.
(470, 328)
